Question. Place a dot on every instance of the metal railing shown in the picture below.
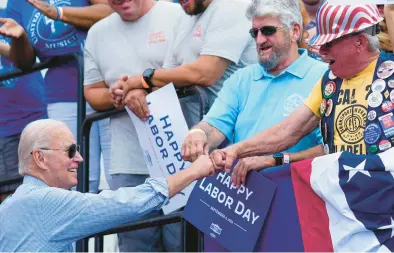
(191, 238)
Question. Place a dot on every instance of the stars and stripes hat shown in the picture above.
(335, 21)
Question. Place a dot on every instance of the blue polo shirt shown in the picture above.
(52, 38)
(253, 100)
(21, 98)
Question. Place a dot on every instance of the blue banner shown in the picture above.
(232, 216)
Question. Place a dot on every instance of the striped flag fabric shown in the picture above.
(340, 202)
(335, 21)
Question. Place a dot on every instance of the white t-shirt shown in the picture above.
(221, 30)
(115, 48)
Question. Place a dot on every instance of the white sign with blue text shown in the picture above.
(161, 138)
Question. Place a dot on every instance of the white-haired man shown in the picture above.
(261, 95)
(354, 100)
(44, 215)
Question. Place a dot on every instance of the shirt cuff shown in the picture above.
(159, 185)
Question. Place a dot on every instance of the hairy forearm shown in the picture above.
(269, 141)
(85, 17)
(182, 76)
(178, 181)
(99, 98)
(280, 137)
(22, 52)
(214, 136)
(204, 71)
(307, 154)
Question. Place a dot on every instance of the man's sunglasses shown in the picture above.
(71, 151)
(265, 30)
(118, 2)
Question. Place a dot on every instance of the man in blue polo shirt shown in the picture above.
(261, 95)
(21, 101)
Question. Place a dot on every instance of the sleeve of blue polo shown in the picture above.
(318, 136)
(224, 111)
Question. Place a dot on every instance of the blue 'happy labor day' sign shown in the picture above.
(234, 217)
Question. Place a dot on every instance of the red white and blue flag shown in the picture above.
(339, 202)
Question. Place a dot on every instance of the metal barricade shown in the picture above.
(191, 237)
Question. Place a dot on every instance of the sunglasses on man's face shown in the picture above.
(119, 2)
(71, 151)
(265, 30)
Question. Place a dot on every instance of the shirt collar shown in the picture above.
(27, 179)
(299, 68)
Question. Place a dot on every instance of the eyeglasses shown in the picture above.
(265, 30)
(333, 42)
(72, 150)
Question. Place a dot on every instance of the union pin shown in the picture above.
(375, 99)
(371, 115)
(384, 145)
(372, 133)
(392, 96)
(385, 69)
(390, 83)
(329, 89)
(379, 85)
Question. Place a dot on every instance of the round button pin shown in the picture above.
(390, 83)
(329, 89)
(372, 133)
(385, 69)
(373, 149)
(323, 106)
(329, 107)
(379, 85)
(392, 96)
(331, 75)
(371, 115)
(326, 149)
(387, 106)
(375, 99)
(384, 145)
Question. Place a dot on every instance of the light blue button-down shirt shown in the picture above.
(253, 100)
(43, 218)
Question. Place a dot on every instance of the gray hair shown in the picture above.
(288, 11)
(373, 42)
(35, 135)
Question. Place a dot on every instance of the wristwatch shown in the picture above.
(147, 76)
(278, 158)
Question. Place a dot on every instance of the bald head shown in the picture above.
(37, 134)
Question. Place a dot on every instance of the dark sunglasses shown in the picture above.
(265, 30)
(333, 42)
(72, 150)
(118, 2)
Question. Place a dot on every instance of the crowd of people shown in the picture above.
(285, 80)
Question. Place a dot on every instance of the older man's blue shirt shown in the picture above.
(42, 218)
(253, 100)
